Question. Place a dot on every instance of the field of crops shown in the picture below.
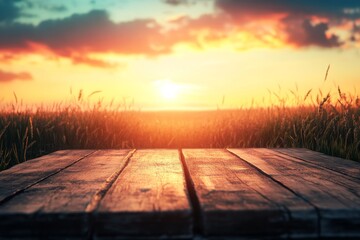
(331, 124)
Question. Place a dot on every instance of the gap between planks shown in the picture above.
(192, 194)
(148, 199)
(198, 224)
(317, 210)
(95, 201)
(71, 218)
(99, 195)
(334, 195)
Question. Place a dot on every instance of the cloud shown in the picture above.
(8, 10)
(95, 32)
(300, 23)
(92, 62)
(356, 28)
(207, 21)
(15, 36)
(334, 9)
(11, 76)
(81, 34)
(176, 2)
(355, 32)
(208, 28)
(309, 34)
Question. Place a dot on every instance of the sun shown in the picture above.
(167, 89)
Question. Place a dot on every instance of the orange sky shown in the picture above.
(181, 54)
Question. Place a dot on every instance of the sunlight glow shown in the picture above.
(168, 90)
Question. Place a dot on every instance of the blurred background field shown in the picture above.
(329, 123)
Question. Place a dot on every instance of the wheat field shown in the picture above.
(330, 124)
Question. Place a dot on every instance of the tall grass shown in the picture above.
(329, 124)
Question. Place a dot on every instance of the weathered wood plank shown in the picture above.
(26, 174)
(352, 184)
(335, 197)
(347, 167)
(59, 206)
(236, 199)
(148, 199)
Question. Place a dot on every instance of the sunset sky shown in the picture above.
(175, 54)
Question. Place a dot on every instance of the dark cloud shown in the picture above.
(11, 76)
(295, 18)
(80, 34)
(15, 36)
(308, 34)
(176, 2)
(339, 9)
(95, 32)
(8, 10)
(356, 28)
(355, 32)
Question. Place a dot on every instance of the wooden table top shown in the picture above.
(186, 193)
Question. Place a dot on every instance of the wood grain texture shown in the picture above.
(303, 220)
(148, 199)
(335, 197)
(24, 175)
(235, 193)
(236, 199)
(346, 167)
(57, 206)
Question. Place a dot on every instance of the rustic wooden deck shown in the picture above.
(188, 193)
